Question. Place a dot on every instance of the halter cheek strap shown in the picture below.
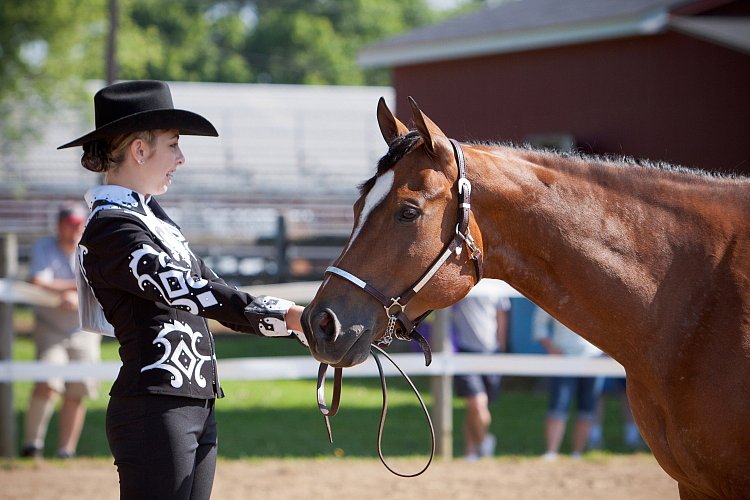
(464, 210)
(395, 307)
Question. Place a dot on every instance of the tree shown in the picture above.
(299, 47)
(44, 46)
(277, 41)
(306, 41)
(49, 48)
(190, 40)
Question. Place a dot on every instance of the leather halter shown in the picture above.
(395, 306)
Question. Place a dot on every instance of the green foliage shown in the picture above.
(191, 40)
(44, 43)
(48, 48)
(44, 46)
(316, 41)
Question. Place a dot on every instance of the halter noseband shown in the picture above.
(394, 307)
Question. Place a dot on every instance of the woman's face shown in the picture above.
(162, 162)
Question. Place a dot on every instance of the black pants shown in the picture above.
(164, 446)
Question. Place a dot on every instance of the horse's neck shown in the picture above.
(591, 244)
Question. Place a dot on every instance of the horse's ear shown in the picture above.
(426, 127)
(390, 126)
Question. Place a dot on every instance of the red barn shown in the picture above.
(660, 79)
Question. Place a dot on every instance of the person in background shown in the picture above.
(558, 339)
(479, 324)
(58, 338)
(139, 281)
(631, 436)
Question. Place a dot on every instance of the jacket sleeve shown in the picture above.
(122, 254)
(257, 309)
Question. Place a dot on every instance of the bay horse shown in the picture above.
(647, 261)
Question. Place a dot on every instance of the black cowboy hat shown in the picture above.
(140, 105)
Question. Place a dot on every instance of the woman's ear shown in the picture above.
(137, 151)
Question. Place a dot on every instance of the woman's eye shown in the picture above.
(408, 214)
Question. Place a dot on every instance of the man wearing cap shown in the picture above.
(58, 337)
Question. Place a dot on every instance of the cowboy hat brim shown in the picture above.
(187, 122)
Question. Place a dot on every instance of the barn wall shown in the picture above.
(665, 97)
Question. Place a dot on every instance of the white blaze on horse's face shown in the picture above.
(377, 194)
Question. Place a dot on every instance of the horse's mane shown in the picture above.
(402, 145)
(617, 160)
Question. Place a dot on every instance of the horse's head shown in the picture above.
(405, 223)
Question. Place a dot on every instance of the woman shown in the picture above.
(140, 280)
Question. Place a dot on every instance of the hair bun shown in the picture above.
(94, 157)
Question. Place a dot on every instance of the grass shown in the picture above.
(263, 419)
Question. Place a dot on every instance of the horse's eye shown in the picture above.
(408, 214)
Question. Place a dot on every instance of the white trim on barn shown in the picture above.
(646, 23)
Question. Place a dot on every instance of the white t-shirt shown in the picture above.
(565, 339)
(49, 262)
(474, 318)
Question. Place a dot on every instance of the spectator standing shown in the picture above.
(631, 436)
(58, 338)
(558, 339)
(479, 324)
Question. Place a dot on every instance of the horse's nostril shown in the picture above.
(325, 320)
(326, 324)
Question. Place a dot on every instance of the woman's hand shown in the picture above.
(293, 318)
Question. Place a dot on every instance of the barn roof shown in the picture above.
(518, 25)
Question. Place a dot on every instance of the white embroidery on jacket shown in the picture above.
(185, 359)
(174, 282)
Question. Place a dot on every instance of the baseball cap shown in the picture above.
(72, 213)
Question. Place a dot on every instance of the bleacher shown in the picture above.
(303, 149)
(296, 150)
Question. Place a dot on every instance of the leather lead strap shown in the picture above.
(374, 351)
(322, 406)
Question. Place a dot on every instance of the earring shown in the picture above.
(141, 161)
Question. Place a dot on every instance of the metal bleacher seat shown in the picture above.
(298, 149)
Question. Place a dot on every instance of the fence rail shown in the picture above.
(445, 363)
(304, 367)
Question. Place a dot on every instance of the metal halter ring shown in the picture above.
(394, 302)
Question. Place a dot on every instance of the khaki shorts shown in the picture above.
(80, 346)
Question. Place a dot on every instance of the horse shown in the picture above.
(645, 260)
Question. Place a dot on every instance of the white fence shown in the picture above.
(303, 367)
(444, 365)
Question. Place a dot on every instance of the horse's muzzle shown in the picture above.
(332, 344)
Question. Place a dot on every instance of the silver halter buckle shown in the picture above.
(470, 244)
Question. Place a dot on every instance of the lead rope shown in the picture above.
(374, 350)
(330, 412)
(322, 406)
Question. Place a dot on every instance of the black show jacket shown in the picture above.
(157, 295)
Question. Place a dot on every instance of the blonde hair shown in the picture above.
(107, 154)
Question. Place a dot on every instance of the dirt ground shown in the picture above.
(629, 477)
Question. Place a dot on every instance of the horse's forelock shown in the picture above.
(397, 149)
